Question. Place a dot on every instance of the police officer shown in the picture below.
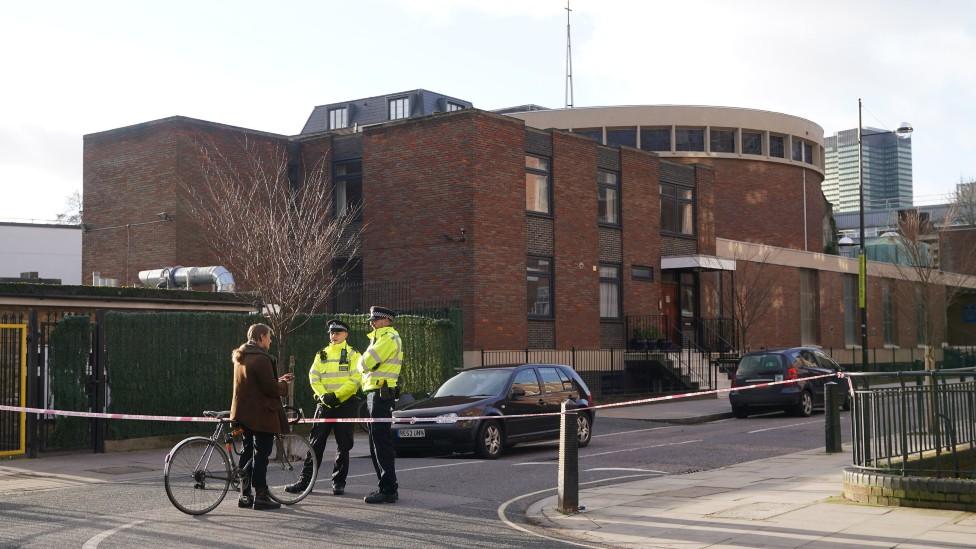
(335, 381)
(380, 368)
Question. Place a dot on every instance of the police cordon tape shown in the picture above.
(442, 419)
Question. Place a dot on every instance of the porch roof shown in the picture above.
(702, 262)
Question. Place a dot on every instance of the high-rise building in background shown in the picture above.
(887, 170)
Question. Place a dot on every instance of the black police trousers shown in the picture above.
(381, 442)
(343, 438)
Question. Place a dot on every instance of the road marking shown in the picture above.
(536, 463)
(782, 427)
(634, 431)
(504, 506)
(99, 538)
(641, 448)
(626, 469)
(472, 462)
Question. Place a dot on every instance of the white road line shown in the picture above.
(99, 538)
(626, 469)
(641, 448)
(537, 463)
(634, 431)
(783, 427)
(504, 518)
(472, 462)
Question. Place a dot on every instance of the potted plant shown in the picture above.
(639, 341)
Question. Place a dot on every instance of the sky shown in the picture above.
(73, 68)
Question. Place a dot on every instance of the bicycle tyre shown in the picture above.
(285, 468)
(196, 475)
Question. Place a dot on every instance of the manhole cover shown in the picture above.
(122, 470)
(693, 492)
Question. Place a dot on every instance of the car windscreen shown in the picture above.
(475, 383)
(758, 365)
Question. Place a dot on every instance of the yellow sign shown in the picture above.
(13, 367)
(862, 280)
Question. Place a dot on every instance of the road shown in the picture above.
(444, 501)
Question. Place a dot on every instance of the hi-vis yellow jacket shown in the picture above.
(334, 371)
(382, 359)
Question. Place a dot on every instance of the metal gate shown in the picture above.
(13, 388)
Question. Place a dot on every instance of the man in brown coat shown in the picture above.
(257, 408)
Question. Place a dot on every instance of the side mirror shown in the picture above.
(518, 392)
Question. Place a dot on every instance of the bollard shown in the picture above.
(833, 397)
(567, 495)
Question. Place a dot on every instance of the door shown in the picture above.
(669, 300)
(553, 394)
(13, 388)
(530, 403)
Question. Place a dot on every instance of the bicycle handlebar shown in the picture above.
(298, 415)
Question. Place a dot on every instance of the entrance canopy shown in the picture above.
(702, 262)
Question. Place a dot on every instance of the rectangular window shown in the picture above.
(638, 272)
(596, 134)
(777, 146)
(797, 150)
(537, 192)
(347, 177)
(808, 152)
(722, 141)
(921, 318)
(338, 118)
(656, 139)
(677, 213)
(850, 310)
(452, 107)
(689, 139)
(622, 137)
(539, 286)
(888, 315)
(608, 197)
(752, 142)
(399, 108)
(610, 291)
(809, 307)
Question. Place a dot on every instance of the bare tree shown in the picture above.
(72, 209)
(278, 236)
(964, 201)
(753, 291)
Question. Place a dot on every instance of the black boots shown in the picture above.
(299, 486)
(380, 497)
(338, 489)
(263, 501)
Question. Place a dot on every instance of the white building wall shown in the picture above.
(53, 251)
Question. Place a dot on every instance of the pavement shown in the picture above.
(686, 412)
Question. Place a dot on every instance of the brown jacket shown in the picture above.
(257, 391)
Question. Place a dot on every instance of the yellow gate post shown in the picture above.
(22, 448)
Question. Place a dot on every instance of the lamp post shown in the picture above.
(862, 269)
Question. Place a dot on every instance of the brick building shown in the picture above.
(545, 237)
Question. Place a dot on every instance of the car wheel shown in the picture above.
(805, 407)
(489, 442)
(584, 429)
(740, 412)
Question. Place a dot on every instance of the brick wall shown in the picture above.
(705, 209)
(641, 242)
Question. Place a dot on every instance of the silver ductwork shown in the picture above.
(186, 277)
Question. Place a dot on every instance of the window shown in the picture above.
(722, 141)
(551, 382)
(921, 318)
(689, 139)
(537, 184)
(677, 214)
(338, 118)
(797, 150)
(641, 273)
(348, 180)
(539, 286)
(888, 315)
(809, 307)
(528, 382)
(656, 139)
(850, 310)
(608, 197)
(610, 291)
(777, 146)
(596, 134)
(399, 108)
(622, 136)
(752, 142)
(452, 107)
(808, 152)
(567, 382)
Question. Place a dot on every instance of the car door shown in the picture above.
(553, 395)
(531, 402)
(826, 366)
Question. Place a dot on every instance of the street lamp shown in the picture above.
(862, 271)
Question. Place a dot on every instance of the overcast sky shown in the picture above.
(71, 68)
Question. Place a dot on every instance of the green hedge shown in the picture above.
(67, 361)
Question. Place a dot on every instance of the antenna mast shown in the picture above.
(569, 62)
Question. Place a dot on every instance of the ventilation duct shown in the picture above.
(187, 277)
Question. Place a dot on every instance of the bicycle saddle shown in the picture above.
(219, 415)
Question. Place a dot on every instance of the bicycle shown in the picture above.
(200, 470)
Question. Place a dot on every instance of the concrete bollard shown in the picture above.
(567, 495)
(833, 397)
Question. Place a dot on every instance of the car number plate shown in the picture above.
(412, 433)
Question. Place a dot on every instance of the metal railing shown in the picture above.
(916, 423)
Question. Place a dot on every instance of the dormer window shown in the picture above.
(338, 118)
(399, 108)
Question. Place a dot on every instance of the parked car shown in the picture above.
(497, 391)
(796, 363)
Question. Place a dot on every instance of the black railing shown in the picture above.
(915, 423)
(651, 332)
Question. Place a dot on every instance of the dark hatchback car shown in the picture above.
(796, 363)
(498, 391)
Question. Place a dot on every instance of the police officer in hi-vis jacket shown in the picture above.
(380, 368)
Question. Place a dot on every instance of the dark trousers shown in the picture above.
(381, 442)
(254, 459)
(343, 438)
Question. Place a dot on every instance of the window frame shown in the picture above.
(345, 118)
(762, 138)
(393, 101)
(549, 194)
(665, 130)
(676, 203)
(615, 187)
(345, 178)
(781, 139)
(679, 129)
(542, 380)
(889, 315)
(711, 139)
(535, 374)
(648, 278)
(451, 106)
(618, 280)
(622, 130)
(552, 289)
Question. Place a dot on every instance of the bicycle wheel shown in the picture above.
(196, 475)
(285, 467)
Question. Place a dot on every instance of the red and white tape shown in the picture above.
(412, 420)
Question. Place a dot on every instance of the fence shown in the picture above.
(916, 423)
(902, 359)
